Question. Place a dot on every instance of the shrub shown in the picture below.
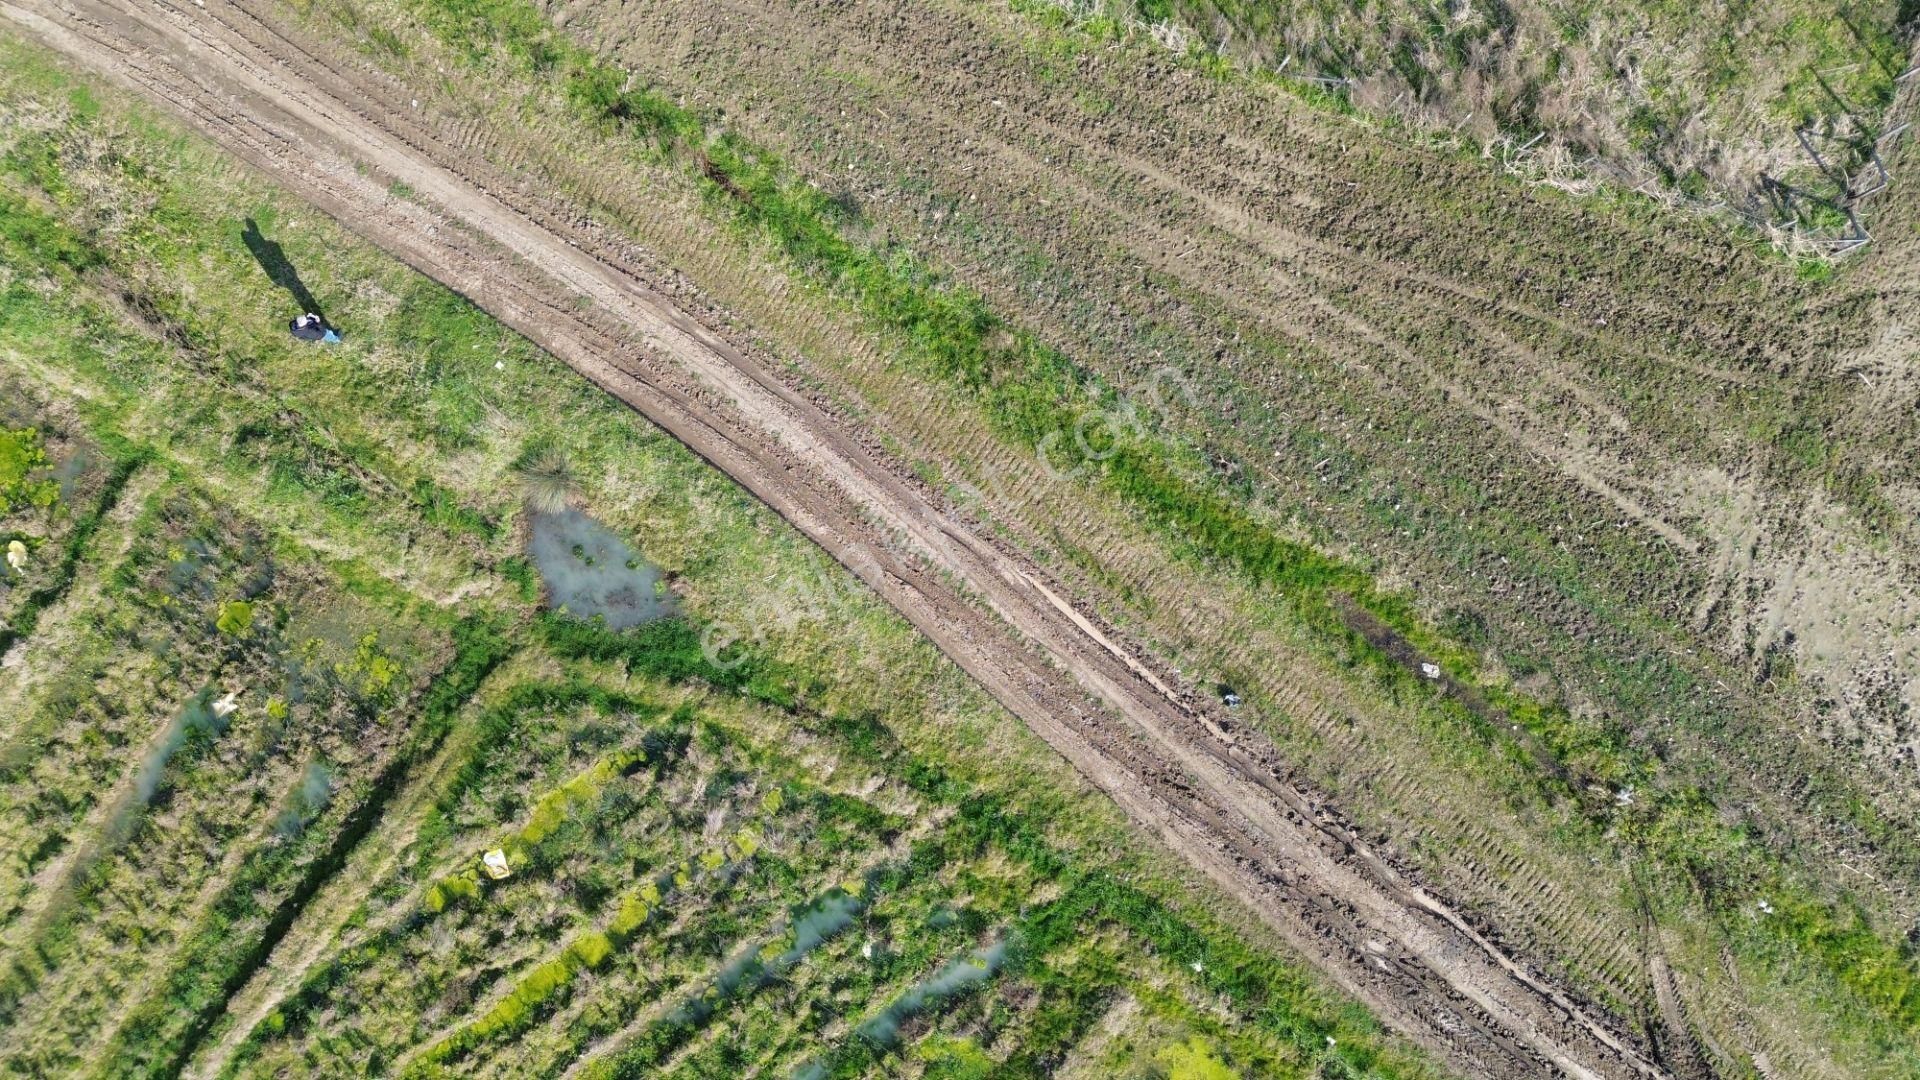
(235, 618)
(548, 479)
(21, 455)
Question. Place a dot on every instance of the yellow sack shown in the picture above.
(495, 862)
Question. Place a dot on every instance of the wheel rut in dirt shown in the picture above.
(1219, 796)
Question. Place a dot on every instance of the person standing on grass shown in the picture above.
(311, 327)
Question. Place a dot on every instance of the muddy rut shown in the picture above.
(1218, 794)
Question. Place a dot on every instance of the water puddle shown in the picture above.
(590, 572)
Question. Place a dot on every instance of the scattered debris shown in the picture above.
(17, 556)
(1430, 670)
(226, 706)
(495, 862)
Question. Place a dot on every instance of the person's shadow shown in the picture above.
(273, 259)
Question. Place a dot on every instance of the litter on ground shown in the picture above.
(495, 862)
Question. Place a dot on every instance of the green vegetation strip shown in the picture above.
(22, 625)
(537, 992)
(231, 943)
(1031, 393)
(22, 457)
(582, 791)
(644, 1053)
(1278, 996)
(497, 726)
(32, 239)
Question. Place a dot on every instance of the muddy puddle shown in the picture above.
(590, 572)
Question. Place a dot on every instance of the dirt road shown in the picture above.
(1216, 794)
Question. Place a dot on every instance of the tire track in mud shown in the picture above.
(1297, 284)
(1256, 254)
(1306, 289)
(1217, 798)
(1613, 967)
(1232, 179)
(1545, 449)
(1529, 896)
(1483, 870)
(928, 106)
(1515, 368)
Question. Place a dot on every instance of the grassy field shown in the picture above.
(1625, 760)
(278, 675)
(1702, 99)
